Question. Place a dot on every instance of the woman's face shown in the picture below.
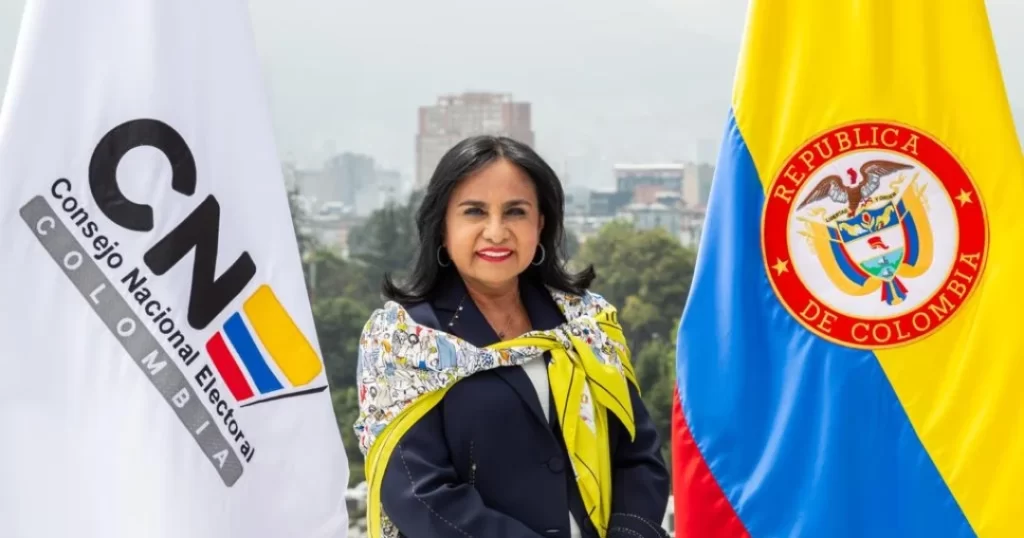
(493, 224)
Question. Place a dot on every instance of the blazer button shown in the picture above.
(556, 464)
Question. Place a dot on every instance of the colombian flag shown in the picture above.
(850, 358)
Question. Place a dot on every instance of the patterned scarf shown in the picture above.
(405, 369)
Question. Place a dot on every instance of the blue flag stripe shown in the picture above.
(805, 437)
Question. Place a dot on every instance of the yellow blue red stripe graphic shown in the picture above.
(280, 339)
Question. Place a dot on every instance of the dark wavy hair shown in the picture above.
(465, 158)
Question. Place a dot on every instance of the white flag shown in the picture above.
(159, 369)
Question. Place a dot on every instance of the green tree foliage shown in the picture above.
(646, 274)
(346, 411)
(385, 243)
(570, 245)
(413, 203)
(306, 242)
(339, 323)
(329, 275)
(655, 371)
(342, 293)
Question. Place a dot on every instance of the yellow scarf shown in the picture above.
(589, 375)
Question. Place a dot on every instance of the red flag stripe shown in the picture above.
(702, 510)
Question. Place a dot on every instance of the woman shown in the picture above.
(535, 443)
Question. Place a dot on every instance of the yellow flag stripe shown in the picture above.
(931, 65)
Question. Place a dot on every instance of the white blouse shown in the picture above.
(538, 373)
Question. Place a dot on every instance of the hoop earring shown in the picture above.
(439, 262)
(543, 254)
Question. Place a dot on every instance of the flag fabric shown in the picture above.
(849, 358)
(161, 373)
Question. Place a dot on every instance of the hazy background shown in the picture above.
(642, 83)
(609, 80)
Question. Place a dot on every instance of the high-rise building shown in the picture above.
(344, 175)
(647, 180)
(455, 117)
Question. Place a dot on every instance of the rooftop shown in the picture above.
(650, 166)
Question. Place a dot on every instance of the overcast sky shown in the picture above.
(627, 80)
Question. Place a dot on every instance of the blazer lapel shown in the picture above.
(471, 325)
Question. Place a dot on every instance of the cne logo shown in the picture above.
(258, 354)
(245, 370)
(874, 235)
(235, 350)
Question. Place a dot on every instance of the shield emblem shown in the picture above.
(875, 244)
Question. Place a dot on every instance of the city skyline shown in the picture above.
(608, 81)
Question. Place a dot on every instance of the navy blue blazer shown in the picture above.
(486, 463)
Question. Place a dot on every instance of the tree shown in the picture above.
(386, 241)
(655, 372)
(570, 245)
(330, 275)
(646, 274)
(414, 202)
(346, 411)
(344, 293)
(341, 293)
(306, 242)
(339, 324)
